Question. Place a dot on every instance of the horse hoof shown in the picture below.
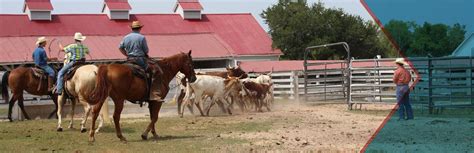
(123, 140)
(91, 139)
(83, 130)
(144, 137)
(59, 129)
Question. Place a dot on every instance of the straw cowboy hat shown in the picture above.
(401, 61)
(79, 36)
(136, 24)
(41, 40)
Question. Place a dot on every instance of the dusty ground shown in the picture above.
(289, 127)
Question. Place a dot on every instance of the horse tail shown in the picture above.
(102, 85)
(4, 88)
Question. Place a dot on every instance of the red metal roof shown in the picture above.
(191, 6)
(38, 5)
(241, 31)
(297, 65)
(206, 45)
(117, 5)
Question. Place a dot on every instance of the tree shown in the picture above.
(429, 39)
(295, 26)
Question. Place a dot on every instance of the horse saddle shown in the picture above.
(137, 70)
(39, 72)
(70, 73)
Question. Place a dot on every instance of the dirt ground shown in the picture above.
(290, 126)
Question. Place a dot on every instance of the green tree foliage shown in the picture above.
(429, 39)
(295, 26)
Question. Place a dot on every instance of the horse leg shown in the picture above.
(22, 107)
(60, 104)
(73, 108)
(117, 112)
(154, 108)
(157, 110)
(10, 106)
(101, 123)
(55, 101)
(95, 113)
(87, 111)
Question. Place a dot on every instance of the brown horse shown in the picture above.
(22, 79)
(118, 82)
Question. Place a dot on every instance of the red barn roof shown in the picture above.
(215, 36)
(188, 5)
(117, 5)
(38, 5)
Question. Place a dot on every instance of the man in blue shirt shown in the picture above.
(135, 47)
(41, 60)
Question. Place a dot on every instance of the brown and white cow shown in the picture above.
(214, 87)
(230, 72)
(257, 92)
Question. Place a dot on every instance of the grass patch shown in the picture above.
(187, 134)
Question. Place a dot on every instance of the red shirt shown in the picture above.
(401, 76)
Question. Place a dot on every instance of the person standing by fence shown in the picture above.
(402, 78)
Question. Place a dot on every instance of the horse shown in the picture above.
(78, 89)
(23, 79)
(119, 82)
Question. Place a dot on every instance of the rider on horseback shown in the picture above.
(41, 60)
(77, 51)
(135, 47)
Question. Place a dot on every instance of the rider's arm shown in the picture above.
(122, 48)
(61, 47)
(145, 47)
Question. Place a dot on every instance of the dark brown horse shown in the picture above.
(118, 82)
(22, 79)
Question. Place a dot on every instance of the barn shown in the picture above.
(466, 48)
(217, 40)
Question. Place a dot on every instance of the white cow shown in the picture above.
(214, 87)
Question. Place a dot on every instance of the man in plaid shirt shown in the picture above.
(77, 52)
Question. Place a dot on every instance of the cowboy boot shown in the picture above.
(50, 84)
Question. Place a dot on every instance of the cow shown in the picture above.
(230, 71)
(214, 87)
(257, 92)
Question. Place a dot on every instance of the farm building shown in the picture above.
(466, 48)
(217, 40)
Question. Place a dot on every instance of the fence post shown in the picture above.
(430, 89)
(296, 92)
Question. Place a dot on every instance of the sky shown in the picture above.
(433, 11)
(165, 6)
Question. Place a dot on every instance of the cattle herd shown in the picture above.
(224, 89)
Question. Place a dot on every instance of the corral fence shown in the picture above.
(442, 82)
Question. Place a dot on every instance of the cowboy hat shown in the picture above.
(79, 36)
(136, 24)
(41, 40)
(401, 61)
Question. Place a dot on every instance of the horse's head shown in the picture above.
(187, 67)
(236, 72)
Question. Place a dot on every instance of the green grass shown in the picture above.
(4, 111)
(176, 135)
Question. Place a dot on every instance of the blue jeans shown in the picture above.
(61, 74)
(403, 100)
(141, 61)
(48, 70)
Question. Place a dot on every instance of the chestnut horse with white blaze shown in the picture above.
(119, 82)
